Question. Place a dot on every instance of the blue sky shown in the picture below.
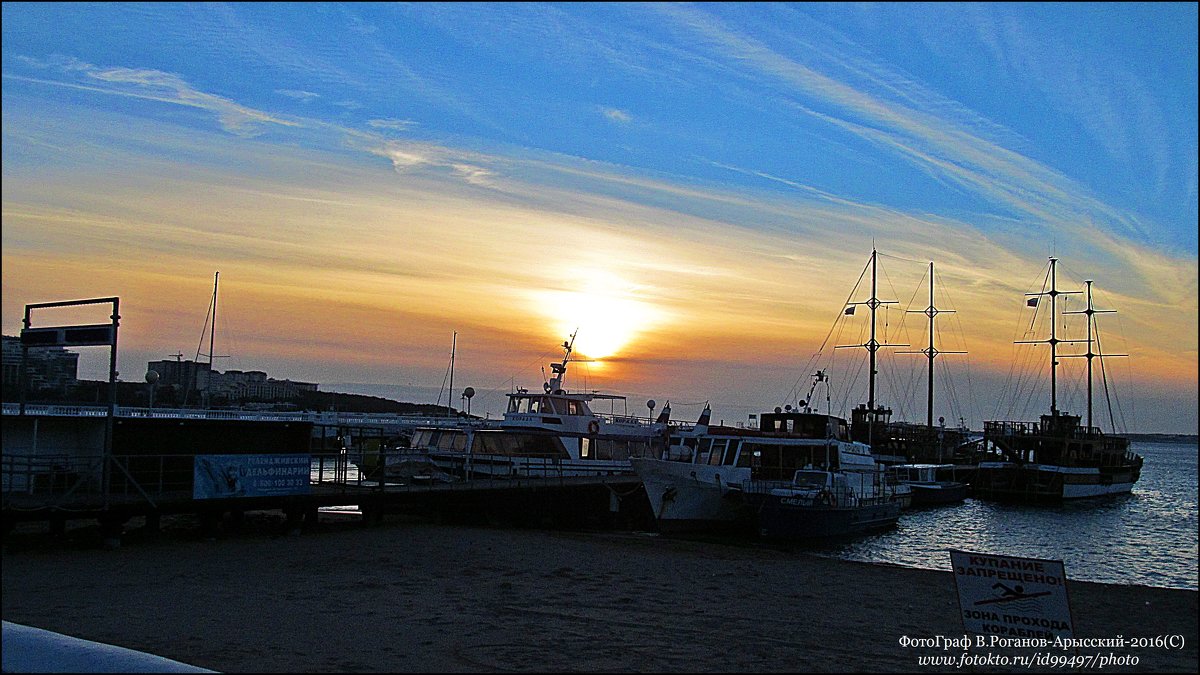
(410, 159)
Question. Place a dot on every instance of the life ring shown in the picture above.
(593, 427)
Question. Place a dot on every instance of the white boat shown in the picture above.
(926, 484)
(1057, 458)
(732, 479)
(554, 432)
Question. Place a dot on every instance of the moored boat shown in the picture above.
(554, 432)
(927, 486)
(1058, 457)
(744, 480)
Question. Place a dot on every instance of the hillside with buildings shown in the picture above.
(51, 376)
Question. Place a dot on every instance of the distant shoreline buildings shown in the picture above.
(55, 371)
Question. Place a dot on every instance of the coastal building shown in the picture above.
(46, 368)
(230, 386)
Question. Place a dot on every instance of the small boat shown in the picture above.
(739, 480)
(1056, 458)
(820, 504)
(927, 487)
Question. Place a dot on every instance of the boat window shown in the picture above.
(531, 445)
(573, 408)
(514, 405)
(810, 478)
(550, 403)
(731, 450)
(585, 448)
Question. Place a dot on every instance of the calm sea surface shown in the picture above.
(1147, 538)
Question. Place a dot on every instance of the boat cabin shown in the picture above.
(804, 425)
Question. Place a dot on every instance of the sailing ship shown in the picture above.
(1057, 458)
(895, 442)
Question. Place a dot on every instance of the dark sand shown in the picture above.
(410, 596)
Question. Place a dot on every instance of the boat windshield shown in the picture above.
(811, 478)
(557, 405)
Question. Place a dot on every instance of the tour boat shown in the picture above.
(796, 475)
(554, 432)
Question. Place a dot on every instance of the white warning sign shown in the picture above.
(1012, 597)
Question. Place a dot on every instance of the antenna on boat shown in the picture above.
(930, 351)
(1053, 341)
(1091, 320)
(560, 369)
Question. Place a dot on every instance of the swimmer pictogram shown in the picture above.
(1009, 594)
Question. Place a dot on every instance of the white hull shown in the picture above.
(499, 466)
(688, 497)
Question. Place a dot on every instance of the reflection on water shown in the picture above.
(1146, 538)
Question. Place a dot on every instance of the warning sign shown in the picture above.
(1012, 597)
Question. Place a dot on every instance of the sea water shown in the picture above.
(1147, 538)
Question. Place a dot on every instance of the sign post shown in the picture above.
(1009, 597)
(92, 335)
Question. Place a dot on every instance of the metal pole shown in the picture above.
(112, 402)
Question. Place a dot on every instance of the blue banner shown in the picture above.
(227, 476)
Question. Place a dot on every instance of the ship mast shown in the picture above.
(873, 344)
(560, 369)
(1053, 341)
(931, 352)
(1091, 311)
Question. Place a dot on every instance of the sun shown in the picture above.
(605, 310)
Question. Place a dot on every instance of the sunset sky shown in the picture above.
(696, 188)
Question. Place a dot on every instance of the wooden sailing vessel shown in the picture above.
(1057, 458)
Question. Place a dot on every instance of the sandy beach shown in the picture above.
(409, 596)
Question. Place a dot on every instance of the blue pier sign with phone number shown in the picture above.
(232, 476)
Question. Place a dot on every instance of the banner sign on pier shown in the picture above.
(228, 476)
(1012, 597)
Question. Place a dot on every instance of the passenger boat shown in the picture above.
(927, 485)
(554, 432)
(764, 480)
(1057, 458)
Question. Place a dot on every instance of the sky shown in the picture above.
(696, 189)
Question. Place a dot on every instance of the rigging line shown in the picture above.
(1107, 398)
(840, 316)
(896, 257)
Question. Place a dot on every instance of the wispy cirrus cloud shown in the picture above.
(398, 125)
(299, 94)
(616, 115)
(950, 147)
(154, 85)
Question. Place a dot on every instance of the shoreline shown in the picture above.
(412, 596)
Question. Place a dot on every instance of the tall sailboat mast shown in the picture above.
(873, 344)
(212, 332)
(1090, 312)
(931, 352)
(1053, 341)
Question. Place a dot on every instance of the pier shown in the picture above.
(54, 470)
